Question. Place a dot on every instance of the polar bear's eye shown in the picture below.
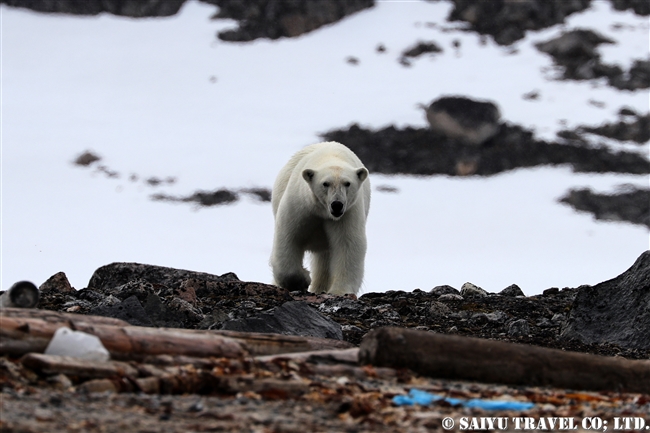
(326, 184)
(346, 184)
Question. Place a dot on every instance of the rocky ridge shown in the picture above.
(164, 297)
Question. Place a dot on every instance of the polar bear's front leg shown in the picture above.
(320, 269)
(347, 257)
(286, 262)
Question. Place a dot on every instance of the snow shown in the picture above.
(163, 97)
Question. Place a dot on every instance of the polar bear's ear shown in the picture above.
(308, 174)
(362, 174)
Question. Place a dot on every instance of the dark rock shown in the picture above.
(344, 306)
(638, 77)
(470, 290)
(56, 293)
(637, 130)
(274, 19)
(450, 297)
(640, 7)
(551, 291)
(214, 319)
(129, 310)
(478, 319)
(57, 283)
(512, 290)
(91, 296)
(558, 318)
(86, 158)
(185, 311)
(630, 204)
(352, 60)
(508, 21)
(460, 118)
(444, 290)
(159, 314)
(388, 313)
(439, 309)
(139, 288)
(187, 290)
(260, 194)
(116, 274)
(497, 316)
(615, 311)
(533, 95)
(129, 8)
(575, 47)
(422, 48)
(292, 318)
(519, 328)
(422, 151)
(575, 52)
(202, 198)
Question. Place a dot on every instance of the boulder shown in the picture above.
(616, 311)
(116, 274)
(291, 318)
(444, 290)
(512, 290)
(57, 283)
(464, 119)
(469, 290)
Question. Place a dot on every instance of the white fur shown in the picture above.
(305, 220)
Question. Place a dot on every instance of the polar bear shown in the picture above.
(320, 202)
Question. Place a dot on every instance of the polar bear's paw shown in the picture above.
(295, 282)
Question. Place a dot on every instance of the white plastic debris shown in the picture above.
(67, 342)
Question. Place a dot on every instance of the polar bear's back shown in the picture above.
(310, 154)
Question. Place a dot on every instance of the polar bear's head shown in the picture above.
(335, 188)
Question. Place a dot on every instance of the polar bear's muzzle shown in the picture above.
(337, 208)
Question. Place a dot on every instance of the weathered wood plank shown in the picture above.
(468, 358)
(53, 364)
(23, 331)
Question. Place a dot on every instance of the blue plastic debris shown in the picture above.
(423, 398)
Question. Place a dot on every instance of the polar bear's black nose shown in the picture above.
(337, 208)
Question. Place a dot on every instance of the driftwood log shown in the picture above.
(27, 330)
(52, 364)
(467, 358)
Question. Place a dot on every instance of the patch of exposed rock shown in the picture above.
(276, 19)
(640, 7)
(575, 52)
(615, 311)
(508, 21)
(630, 204)
(129, 8)
(634, 128)
(418, 49)
(217, 197)
(422, 151)
(270, 19)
